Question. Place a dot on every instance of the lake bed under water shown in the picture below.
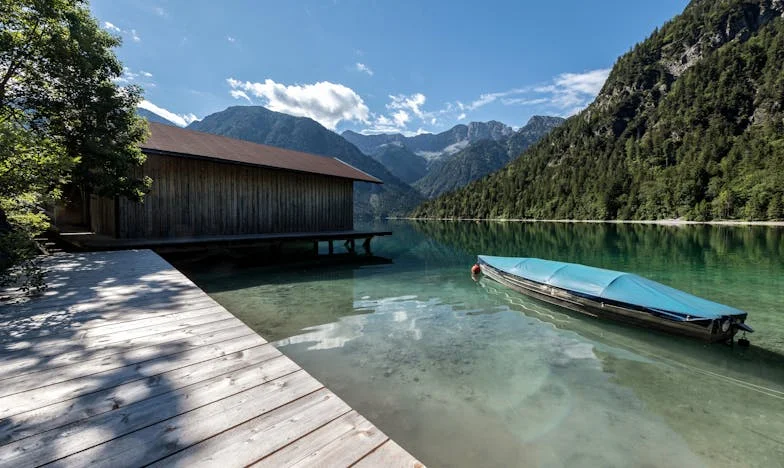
(465, 373)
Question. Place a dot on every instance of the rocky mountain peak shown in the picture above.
(492, 130)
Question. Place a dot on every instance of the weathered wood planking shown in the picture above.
(107, 371)
(193, 197)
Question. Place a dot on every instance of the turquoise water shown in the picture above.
(465, 373)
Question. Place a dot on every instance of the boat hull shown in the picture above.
(708, 330)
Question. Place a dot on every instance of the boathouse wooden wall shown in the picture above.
(197, 197)
(102, 215)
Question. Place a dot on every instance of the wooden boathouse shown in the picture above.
(208, 188)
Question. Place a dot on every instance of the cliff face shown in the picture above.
(433, 146)
(689, 124)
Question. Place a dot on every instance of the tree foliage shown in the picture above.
(689, 124)
(63, 118)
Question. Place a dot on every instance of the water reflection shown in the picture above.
(473, 374)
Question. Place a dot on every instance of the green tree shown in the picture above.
(664, 138)
(775, 208)
(63, 118)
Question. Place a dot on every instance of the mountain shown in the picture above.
(482, 157)
(261, 125)
(153, 117)
(537, 128)
(433, 146)
(689, 124)
(370, 144)
(401, 162)
(474, 161)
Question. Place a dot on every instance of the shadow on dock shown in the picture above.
(58, 378)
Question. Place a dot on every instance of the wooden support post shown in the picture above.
(331, 248)
(353, 246)
(349, 245)
(366, 246)
(315, 248)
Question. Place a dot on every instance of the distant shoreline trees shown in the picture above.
(64, 121)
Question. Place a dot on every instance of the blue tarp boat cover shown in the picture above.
(612, 285)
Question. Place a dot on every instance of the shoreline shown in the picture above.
(660, 222)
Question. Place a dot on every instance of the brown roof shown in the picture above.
(175, 141)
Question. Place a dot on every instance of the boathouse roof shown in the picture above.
(174, 141)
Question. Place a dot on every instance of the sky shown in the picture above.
(376, 66)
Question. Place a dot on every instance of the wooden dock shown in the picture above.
(92, 241)
(123, 361)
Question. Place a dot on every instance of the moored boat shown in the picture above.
(616, 295)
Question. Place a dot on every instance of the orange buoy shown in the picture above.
(476, 269)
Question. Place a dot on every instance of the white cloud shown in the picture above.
(237, 94)
(110, 27)
(414, 103)
(566, 94)
(231, 39)
(590, 82)
(487, 98)
(143, 78)
(569, 92)
(361, 67)
(127, 76)
(402, 108)
(523, 101)
(401, 117)
(376, 129)
(180, 119)
(325, 102)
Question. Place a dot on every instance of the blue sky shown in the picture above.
(373, 65)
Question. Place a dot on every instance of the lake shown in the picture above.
(465, 373)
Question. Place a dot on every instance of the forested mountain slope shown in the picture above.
(401, 162)
(690, 123)
(482, 157)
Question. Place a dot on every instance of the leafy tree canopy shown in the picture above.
(63, 118)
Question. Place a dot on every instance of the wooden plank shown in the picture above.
(131, 288)
(20, 332)
(63, 413)
(389, 455)
(305, 446)
(36, 360)
(9, 350)
(257, 437)
(348, 448)
(95, 316)
(19, 403)
(21, 383)
(167, 437)
(268, 379)
(41, 324)
(111, 369)
(71, 305)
